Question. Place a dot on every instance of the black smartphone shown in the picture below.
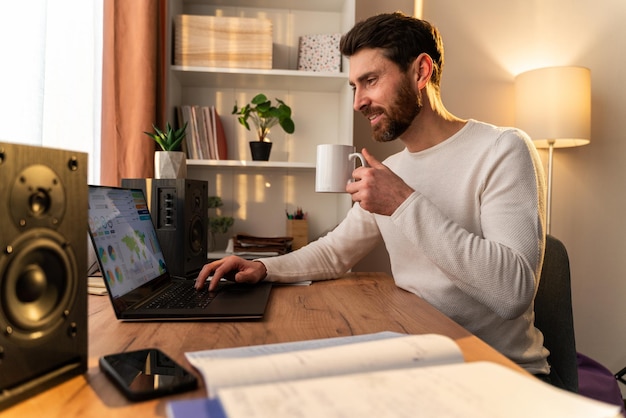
(146, 374)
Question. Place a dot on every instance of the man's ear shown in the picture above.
(422, 69)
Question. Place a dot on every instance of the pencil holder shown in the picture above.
(299, 230)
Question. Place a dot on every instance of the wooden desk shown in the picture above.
(360, 303)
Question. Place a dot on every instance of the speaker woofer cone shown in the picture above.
(39, 284)
(196, 234)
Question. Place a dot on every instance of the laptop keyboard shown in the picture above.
(181, 296)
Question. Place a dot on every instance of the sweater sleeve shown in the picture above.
(331, 255)
(500, 264)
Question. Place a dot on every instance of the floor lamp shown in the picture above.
(553, 106)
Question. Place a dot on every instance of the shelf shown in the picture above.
(253, 78)
(256, 193)
(250, 164)
(320, 5)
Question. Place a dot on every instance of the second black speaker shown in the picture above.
(179, 212)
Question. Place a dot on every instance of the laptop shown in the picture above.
(135, 273)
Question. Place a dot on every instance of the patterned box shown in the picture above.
(319, 53)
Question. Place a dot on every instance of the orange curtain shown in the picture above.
(132, 84)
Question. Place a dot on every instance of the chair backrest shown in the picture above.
(553, 314)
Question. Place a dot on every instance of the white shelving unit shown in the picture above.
(257, 194)
(248, 163)
(252, 78)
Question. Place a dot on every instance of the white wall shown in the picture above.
(487, 43)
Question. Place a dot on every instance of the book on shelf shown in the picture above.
(200, 136)
(190, 143)
(207, 120)
(220, 137)
(205, 139)
(383, 375)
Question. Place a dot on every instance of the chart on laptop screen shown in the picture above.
(124, 238)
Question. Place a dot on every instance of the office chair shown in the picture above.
(553, 315)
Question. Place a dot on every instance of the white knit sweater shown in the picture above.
(469, 240)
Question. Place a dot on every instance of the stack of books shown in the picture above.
(205, 139)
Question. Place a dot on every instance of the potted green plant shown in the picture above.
(264, 116)
(170, 161)
(217, 224)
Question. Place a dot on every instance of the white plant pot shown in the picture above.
(170, 165)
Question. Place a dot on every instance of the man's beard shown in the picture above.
(400, 116)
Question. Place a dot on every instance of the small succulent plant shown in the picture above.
(170, 139)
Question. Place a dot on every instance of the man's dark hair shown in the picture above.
(402, 38)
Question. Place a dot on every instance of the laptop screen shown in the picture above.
(124, 238)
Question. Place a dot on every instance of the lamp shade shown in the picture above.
(553, 105)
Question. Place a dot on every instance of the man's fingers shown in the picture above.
(206, 272)
(371, 160)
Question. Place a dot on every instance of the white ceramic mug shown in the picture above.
(333, 170)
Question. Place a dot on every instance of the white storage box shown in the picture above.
(231, 42)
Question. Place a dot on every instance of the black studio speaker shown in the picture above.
(179, 213)
(43, 269)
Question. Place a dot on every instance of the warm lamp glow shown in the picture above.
(554, 104)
